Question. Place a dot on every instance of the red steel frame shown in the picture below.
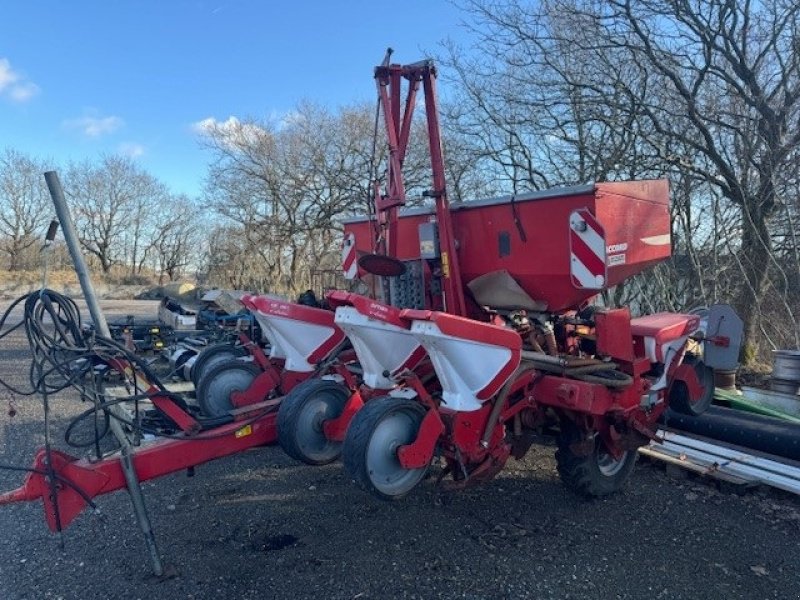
(389, 82)
(591, 404)
(464, 436)
(253, 426)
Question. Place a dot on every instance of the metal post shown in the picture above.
(101, 327)
(451, 269)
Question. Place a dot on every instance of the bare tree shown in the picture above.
(285, 186)
(111, 198)
(176, 241)
(24, 207)
(707, 92)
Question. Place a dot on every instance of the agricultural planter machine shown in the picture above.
(479, 332)
(496, 295)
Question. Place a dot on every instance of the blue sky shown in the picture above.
(80, 78)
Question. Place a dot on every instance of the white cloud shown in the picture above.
(15, 85)
(24, 91)
(131, 149)
(92, 126)
(7, 74)
(209, 125)
(232, 131)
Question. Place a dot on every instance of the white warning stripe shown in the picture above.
(587, 251)
(595, 242)
(349, 263)
(584, 277)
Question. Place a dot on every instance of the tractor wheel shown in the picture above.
(679, 400)
(370, 448)
(212, 356)
(216, 387)
(595, 475)
(301, 416)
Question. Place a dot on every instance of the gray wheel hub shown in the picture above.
(608, 465)
(311, 438)
(383, 465)
(219, 390)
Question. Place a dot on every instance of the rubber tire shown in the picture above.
(213, 355)
(679, 400)
(359, 435)
(582, 474)
(217, 407)
(291, 418)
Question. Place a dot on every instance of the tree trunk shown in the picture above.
(754, 258)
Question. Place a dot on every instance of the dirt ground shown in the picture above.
(259, 525)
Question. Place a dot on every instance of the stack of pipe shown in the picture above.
(723, 462)
(761, 433)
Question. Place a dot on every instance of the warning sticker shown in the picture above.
(616, 259)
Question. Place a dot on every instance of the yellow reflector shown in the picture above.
(244, 431)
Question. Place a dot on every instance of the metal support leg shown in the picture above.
(131, 478)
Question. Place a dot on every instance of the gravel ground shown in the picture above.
(258, 525)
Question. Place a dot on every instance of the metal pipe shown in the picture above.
(585, 372)
(550, 340)
(71, 237)
(739, 456)
(566, 362)
(542, 358)
(786, 365)
(742, 429)
(588, 369)
(101, 326)
(787, 480)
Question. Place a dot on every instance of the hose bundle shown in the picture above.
(63, 354)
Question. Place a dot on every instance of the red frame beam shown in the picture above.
(398, 130)
(153, 460)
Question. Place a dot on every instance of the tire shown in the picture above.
(595, 475)
(300, 419)
(213, 355)
(679, 400)
(216, 387)
(370, 447)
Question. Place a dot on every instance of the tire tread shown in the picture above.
(582, 474)
(202, 388)
(211, 352)
(358, 436)
(289, 413)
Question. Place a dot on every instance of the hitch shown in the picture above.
(78, 482)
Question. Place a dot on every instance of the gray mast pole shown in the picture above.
(101, 327)
(71, 237)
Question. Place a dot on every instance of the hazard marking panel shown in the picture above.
(349, 263)
(587, 245)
